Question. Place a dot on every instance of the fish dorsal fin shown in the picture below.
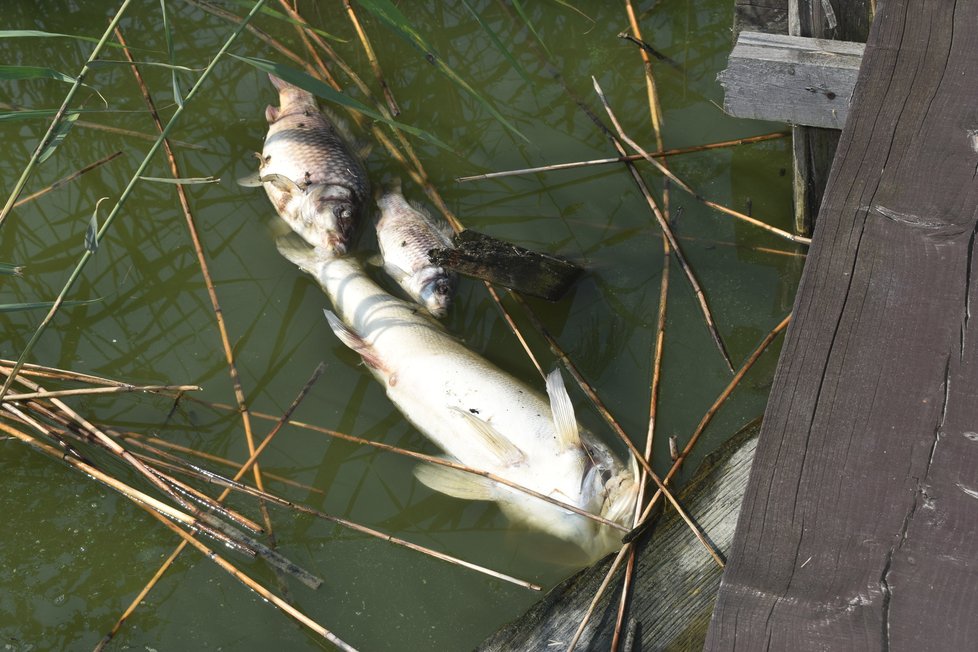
(438, 226)
(453, 482)
(503, 451)
(563, 411)
(354, 341)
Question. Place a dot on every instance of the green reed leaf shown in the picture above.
(323, 90)
(392, 16)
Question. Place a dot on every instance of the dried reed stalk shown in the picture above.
(662, 153)
(205, 273)
(372, 59)
(667, 230)
(89, 391)
(432, 459)
(241, 472)
(655, 112)
(675, 467)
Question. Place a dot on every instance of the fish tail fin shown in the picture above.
(568, 434)
(279, 83)
(453, 482)
(353, 340)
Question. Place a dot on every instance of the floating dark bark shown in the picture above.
(489, 259)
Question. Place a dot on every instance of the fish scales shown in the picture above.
(312, 176)
(405, 234)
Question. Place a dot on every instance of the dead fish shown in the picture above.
(478, 414)
(309, 170)
(406, 232)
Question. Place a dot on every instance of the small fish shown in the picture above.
(406, 233)
(311, 174)
(478, 414)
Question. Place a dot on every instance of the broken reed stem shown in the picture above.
(432, 460)
(101, 438)
(372, 59)
(606, 415)
(667, 231)
(136, 439)
(68, 179)
(675, 467)
(204, 270)
(126, 490)
(84, 124)
(711, 412)
(655, 113)
(365, 530)
(41, 371)
(88, 391)
(597, 596)
(236, 574)
(726, 393)
(244, 468)
(715, 206)
(662, 153)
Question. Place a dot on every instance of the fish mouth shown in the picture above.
(336, 243)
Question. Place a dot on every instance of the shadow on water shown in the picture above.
(76, 553)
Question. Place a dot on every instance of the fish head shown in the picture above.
(437, 290)
(608, 483)
(327, 217)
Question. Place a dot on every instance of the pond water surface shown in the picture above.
(75, 554)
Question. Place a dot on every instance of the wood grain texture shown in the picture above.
(676, 580)
(814, 148)
(791, 79)
(859, 529)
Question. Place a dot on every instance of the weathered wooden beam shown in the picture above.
(859, 529)
(675, 581)
(802, 81)
(813, 148)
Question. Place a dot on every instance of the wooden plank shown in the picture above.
(859, 529)
(676, 580)
(813, 149)
(791, 79)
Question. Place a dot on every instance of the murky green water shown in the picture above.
(75, 554)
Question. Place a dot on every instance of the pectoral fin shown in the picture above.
(455, 483)
(563, 411)
(354, 341)
(250, 181)
(503, 451)
(281, 182)
(300, 254)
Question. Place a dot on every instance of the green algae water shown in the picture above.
(75, 554)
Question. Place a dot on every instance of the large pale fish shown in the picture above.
(309, 171)
(406, 233)
(478, 414)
